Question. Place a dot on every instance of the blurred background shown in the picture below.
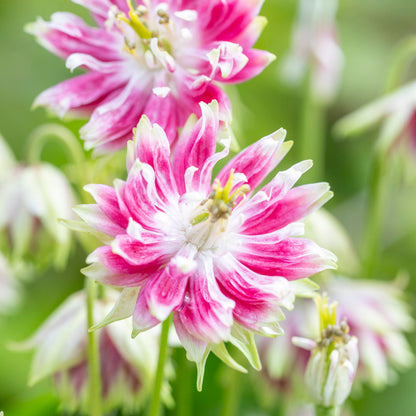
(369, 31)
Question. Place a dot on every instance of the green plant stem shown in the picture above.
(60, 134)
(403, 57)
(312, 132)
(155, 403)
(327, 411)
(375, 210)
(93, 354)
(183, 386)
(232, 390)
(377, 193)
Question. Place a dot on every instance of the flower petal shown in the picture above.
(292, 258)
(257, 160)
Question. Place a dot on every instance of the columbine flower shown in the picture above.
(315, 48)
(8, 287)
(60, 344)
(334, 358)
(398, 110)
(376, 315)
(379, 317)
(32, 198)
(215, 253)
(159, 58)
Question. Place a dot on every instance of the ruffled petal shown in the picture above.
(257, 160)
(275, 213)
(147, 256)
(206, 313)
(292, 258)
(112, 122)
(79, 95)
(165, 292)
(108, 202)
(151, 146)
(142, 318)
(67, 33)
(196, 144)
(111, 269)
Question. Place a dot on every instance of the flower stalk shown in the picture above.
(54, 132)
(403, 57)
(93, 353)
(312, 135)
(155, 403)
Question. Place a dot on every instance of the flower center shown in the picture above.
(219, 203)
(331, 334)
(210, 220)
(146, 27)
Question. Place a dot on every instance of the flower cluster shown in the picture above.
(159, 58)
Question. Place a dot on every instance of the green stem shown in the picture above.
(155, 403)
(327, 411)
(404, 54)
(232, 390)
(55, 132)
(93, 354)
(183, 387)
(312, 132)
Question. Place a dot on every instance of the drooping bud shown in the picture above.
(334, 358)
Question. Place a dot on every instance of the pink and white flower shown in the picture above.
(217, 254)
(160, 59)
(60, 351)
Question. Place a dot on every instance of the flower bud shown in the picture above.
(333, 361)
(32, 199)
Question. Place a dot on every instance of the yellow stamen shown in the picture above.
(327, 313)
(139, 27)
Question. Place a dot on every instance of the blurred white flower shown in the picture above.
(315, 49)
(127, 365)
(32, 199)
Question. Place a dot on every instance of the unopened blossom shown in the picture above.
(315, 51)
(159, 58)
(32, 199)
(376, 314)
(127, 366)
(333, 362)
(9, 292)
(212, 251)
